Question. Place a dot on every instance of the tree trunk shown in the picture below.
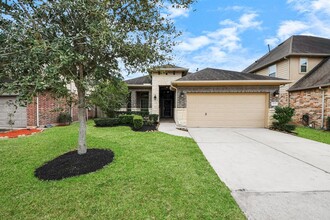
(82, 146)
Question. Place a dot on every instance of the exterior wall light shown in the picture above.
(181, 94)
(155, 97)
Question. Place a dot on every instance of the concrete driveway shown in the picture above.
(271, 175)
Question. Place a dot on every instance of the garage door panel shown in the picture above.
(19, 117)
(226, 109)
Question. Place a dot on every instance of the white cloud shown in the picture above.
(288, 28)
(272, 41)
(175, 11)
(322, 5)
(221, 48)
(314, 20)
(194, 43)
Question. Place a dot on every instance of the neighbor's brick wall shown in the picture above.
(47, 110)
(284, 99)
(310, 102)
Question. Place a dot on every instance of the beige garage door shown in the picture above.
(19, 116)
(226, 109)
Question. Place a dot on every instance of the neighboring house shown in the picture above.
(43, 110)
(304, 61)
(207, 98)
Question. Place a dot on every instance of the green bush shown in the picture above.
(153, 118)
(148, 123)
(64, 117)
(328, 123)
(142, 113)
(126, 119)
(106, 122)
(137, 122)
(283, 115)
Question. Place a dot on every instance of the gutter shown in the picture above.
(139, 85)
(323, 100)
(231, 82)
(37, 102)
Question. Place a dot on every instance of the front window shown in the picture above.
(144, 101)
(303, 65)
(272, 71)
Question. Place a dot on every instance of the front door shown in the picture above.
(167, 108)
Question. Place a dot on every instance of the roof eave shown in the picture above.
(139, 85)
(232, 83)
(168, 69)
(307, 88)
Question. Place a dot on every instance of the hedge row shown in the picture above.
(134, 120)
(106, 122)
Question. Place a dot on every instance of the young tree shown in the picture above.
(47, 44)
(109, 96)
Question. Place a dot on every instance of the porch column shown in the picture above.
(133, 99)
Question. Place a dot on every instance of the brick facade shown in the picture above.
(49, 109)
(284, 99)
(310, 102)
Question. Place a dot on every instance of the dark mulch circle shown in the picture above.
(146, 128)
(72, 164)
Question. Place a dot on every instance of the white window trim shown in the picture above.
(301, 65)
(269, 68)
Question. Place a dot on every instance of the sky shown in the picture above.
(233, 34)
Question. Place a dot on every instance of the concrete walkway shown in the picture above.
(271, 175)
(168, 126)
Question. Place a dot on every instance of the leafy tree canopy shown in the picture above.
(44, 45)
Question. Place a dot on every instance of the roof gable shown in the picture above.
(317, 77)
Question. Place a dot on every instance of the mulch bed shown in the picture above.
(16, 133)
(72, 164)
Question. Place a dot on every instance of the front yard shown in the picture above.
(314, 134)
(153, 176)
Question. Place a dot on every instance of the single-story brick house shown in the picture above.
(207, 98)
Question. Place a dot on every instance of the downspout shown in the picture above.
(37, 100)
(323, 100)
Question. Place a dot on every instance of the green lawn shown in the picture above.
(153, 176)
(313, 134)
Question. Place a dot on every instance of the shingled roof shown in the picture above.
(139, 80)
(295, 45)
(319, 76)
(210, 74)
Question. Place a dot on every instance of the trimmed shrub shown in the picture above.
(64, 117)
(328, 123)
(283, 115)
(137, 122)
(153, 118)
(148, 123)
(142, 113)
(106, 122)
(126, 119)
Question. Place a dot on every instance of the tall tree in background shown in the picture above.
(109, 96)
(47, 44)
